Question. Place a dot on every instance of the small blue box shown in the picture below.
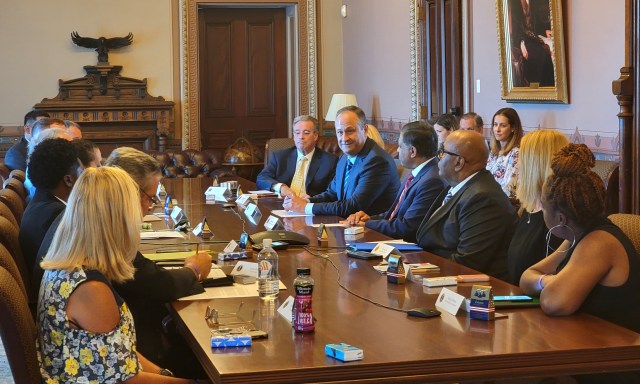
(229, 340)
(344, 352)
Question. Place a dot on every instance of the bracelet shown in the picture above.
(166, 372)
(195, 269)
(540, 286)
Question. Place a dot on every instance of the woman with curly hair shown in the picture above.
(596, 269)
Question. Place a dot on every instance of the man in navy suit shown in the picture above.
(316, 167)
(417, 150)
(16, 157)
(471, 222)
(366, 177)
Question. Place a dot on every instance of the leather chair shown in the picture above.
(7, 262)
(18, 331)
(630, 225)
(18, 186)
(14, 202)
(276, 144)
(6, 212)
(18, 174)
(192, 163)
(9, 238)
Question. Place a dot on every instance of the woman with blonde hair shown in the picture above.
(85, 330)
(506, 133)
(374, 134)
(528, 243)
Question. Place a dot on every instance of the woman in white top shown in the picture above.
(506, 134)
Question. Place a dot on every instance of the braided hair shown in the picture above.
(573, 188)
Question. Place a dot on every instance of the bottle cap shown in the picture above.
(304, 271)
(266, 243)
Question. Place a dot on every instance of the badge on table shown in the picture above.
(203, 230)
(245, 199)
(273, 223)
(161, 192)
(481, 306)
(396, 273)
(322, 232)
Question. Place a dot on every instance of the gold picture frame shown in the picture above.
(532, 57)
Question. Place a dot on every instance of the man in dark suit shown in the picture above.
(417, 150)
(53, 170)
(16, 157)
(366, 177)
(471, 222)
(303, 170)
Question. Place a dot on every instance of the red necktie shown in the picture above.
(404, 192)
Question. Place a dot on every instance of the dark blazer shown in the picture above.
(16, 157)
(372, 185)
(282, 167)
(422, 191)
(41, 211)
(152, 286)
(474, 228)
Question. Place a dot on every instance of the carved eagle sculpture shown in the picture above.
(102, 44)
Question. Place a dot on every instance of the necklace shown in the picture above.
(529, 218)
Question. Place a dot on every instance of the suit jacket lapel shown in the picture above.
(314, 165)
(342, 164)
(292, 162)
(445, 209)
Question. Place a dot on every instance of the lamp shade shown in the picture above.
(338, 101)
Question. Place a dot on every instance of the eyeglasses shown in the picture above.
(153, 199)
(441, 153)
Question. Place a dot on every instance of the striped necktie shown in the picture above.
(404, 192)
(346, 176)
(447, 197)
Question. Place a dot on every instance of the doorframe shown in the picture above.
(302, 59)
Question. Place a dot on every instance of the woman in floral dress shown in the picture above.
(505, 144)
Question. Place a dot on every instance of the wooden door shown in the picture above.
(243, 75)
(442, 89)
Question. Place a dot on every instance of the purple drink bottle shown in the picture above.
(302, 311)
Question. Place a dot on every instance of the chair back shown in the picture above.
(9, 238)
(14, 202)
(18, 174)
(4, 171)
(18, 186)
(18, 331)
(630, 225)
(6, 212)
(7, 262)
(276, 144)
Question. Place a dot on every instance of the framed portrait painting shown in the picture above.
(532, 57)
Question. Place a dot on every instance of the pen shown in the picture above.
(168, 250)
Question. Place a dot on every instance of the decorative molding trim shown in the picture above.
(414, 59)
(306, 10)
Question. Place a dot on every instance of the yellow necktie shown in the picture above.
(297, 184)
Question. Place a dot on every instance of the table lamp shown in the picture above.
(338, 101)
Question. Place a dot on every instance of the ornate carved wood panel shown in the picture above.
(113, 110)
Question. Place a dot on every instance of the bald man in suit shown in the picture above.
(472, 221)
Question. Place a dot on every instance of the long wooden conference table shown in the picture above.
(397, 348)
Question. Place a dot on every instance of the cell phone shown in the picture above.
(513, 298)
(363, 255)
(243, 240)
(276, 245)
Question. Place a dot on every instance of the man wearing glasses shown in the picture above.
(471, 222)
(302, 170)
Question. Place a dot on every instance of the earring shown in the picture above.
(548, 238)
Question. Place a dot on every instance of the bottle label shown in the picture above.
(265, 267)
(303, 313)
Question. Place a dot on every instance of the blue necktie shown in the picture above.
(346, 177)
(447, 197)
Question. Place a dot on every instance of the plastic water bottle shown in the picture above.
(268, 278)
(302, 311)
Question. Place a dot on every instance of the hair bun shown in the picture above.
(572, 160)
